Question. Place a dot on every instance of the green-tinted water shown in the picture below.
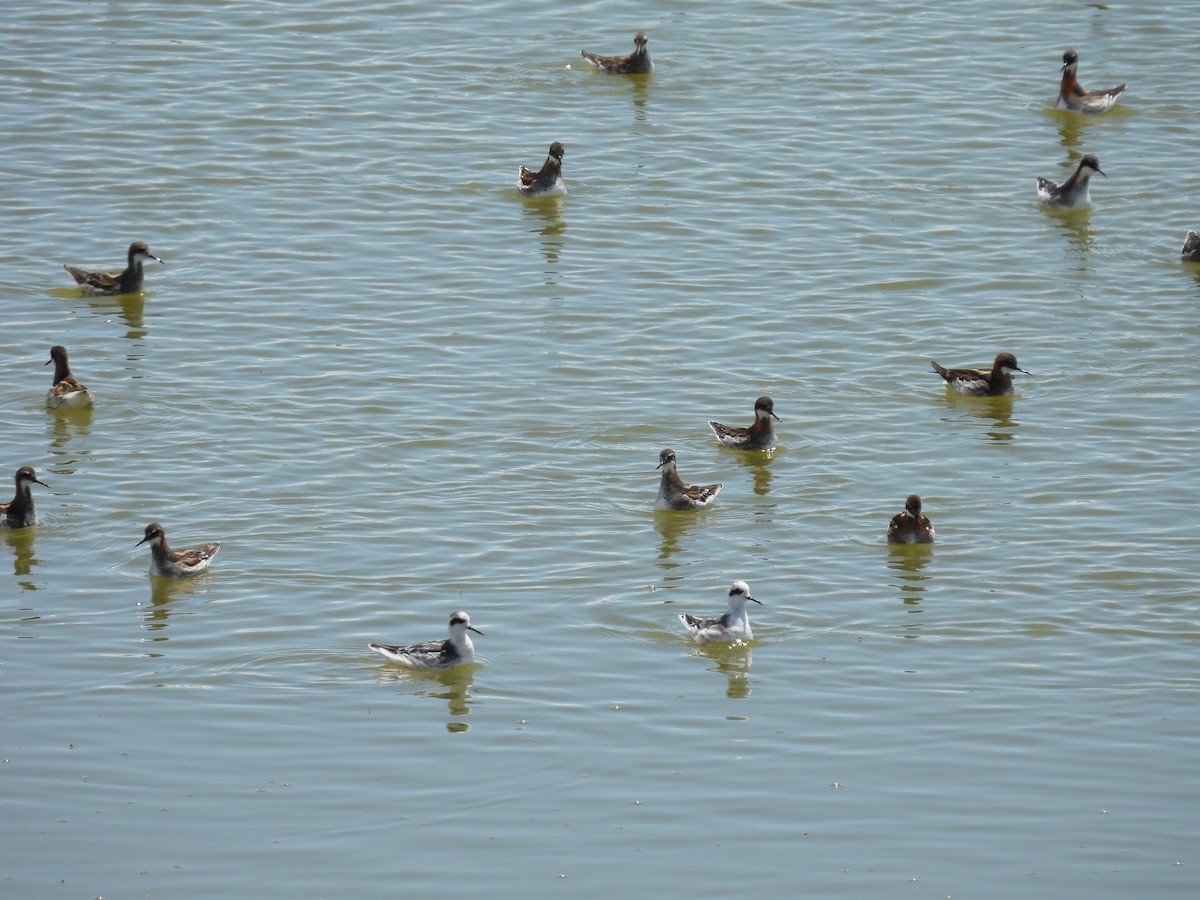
(392, 389)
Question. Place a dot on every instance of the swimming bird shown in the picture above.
(457, 650)
(174, 563)
(127, 282)
(20, 512)
(759, 436)
(636, 63)
(910, 527)
(549, 180)
(674, 494)
(981, 382)
(734, 625)
(1072, 193)
(1073, 97)
(1191, 248)
(65, 390)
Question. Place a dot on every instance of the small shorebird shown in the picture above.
(127, 282)
(673, 493)
(20, 512)
(734, 625)
(982, 382)
(1073, 97)
(457, 650)
(174, 563)
(1191, 248)
(547, 181)
(1072, 193)
(759, 436)
(636, 63)
(65, 390)
(910, 527)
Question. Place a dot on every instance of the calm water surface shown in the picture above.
(392, 388)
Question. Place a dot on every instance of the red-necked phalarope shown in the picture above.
(733, 626)
(636, 63)
(759, 436)
(1191, 248)
(673, 493)
(127, 282)
(982, 382)
(1073, 97)
(1072, 193)
(174, 563)
(20, 513)
(910, 527)
(457, 650)
(549, 180)
(65, 389)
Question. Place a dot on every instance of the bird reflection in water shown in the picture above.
(637, 84)
(641, 90)
(672, 526)
(545, 213)
(759, 464)
(451, 685)
(21, 541)
(157, 612)
(997, 413)
(907, 561)
(1070, 127)
(1076, 224)
(67, 423)
(732, 661)
(131, 308)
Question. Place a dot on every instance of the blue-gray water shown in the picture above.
(392, 388)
